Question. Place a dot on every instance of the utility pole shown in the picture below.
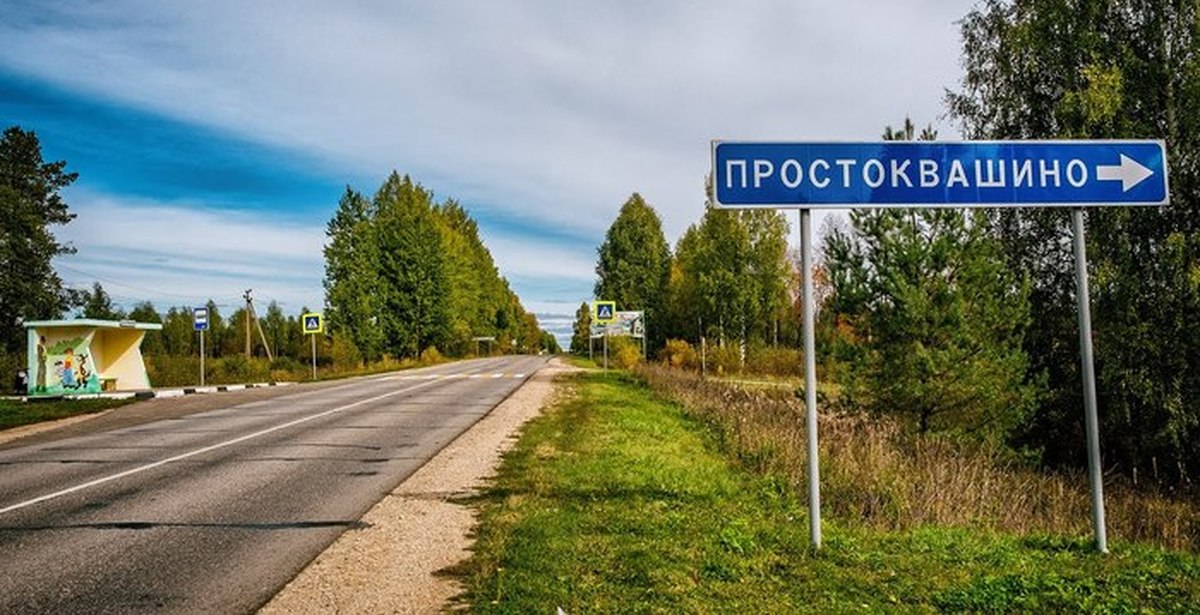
(250, 313)
(249, 306)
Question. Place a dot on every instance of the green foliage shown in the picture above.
(351, 260)
(615, 500)
(581, 331)
(145, 312)
(30, 204)
(938, 320)
(98, 305)
(403, 274)
(1046, 69)
(412, 268)
(679, 353)
(633, 263)
(625, 352)
(729, 277)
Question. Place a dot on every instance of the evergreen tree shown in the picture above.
(1045, 69)
(98, 305)
(352, 275)
(940, 318)
(145, 312)
(30, 204)
(178, 335)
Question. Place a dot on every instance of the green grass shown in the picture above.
(580, 361)
(616, 501)
(14, 413)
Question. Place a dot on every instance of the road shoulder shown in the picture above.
(420, 528)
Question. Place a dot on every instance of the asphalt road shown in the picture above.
(215, 511)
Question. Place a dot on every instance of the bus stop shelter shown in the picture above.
(68, 357)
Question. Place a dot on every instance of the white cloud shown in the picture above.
(552, 110)
(185, 253)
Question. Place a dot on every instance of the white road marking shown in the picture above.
(474, 376)
(207, 449)
(497, 375)
(518, 375)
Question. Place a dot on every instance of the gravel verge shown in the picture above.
(420, 528)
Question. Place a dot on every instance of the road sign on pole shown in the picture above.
(606, 312)
(938, 174)
(200, 322)
(313, 324)
(817, 175)
(200, 318)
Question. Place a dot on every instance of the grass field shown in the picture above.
(616, 501)
(15, 413)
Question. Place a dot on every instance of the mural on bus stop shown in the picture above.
(63, 366)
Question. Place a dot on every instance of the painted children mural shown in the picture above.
(69, 365)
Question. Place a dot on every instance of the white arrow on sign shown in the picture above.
(1130, 172)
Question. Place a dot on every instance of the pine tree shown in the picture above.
(30, 204)
(352, 275)
(940, 318)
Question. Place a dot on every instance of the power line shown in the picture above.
(148, 291)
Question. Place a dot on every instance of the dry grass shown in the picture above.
(875, 473)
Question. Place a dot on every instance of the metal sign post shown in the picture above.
(1090, 417)
(313, 325)
(200, 322)
(816, 175)
(810, 380)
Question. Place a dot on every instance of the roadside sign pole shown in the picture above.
(314, 356)
(606, 348)
(1091, 420)
(1065, 173)
(202, 357)
(810, 379)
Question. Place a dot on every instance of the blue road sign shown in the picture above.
(937, 174)
(313, 323)
(606, 311)
(200, 318)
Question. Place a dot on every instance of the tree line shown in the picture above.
(225, 336)
(404, 273)
(964, 322)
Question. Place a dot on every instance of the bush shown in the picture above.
(775, 360)
(724, 359)
(345, 354)
(679, 353)
(431, 356)
(624, 352)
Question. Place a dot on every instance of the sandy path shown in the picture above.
(390, 566)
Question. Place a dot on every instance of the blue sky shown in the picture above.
(214, 139)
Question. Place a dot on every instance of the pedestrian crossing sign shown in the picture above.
(313, 323)
(606, 312)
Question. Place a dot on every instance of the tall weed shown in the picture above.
(877, 474)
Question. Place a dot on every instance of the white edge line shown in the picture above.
(207, 449)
